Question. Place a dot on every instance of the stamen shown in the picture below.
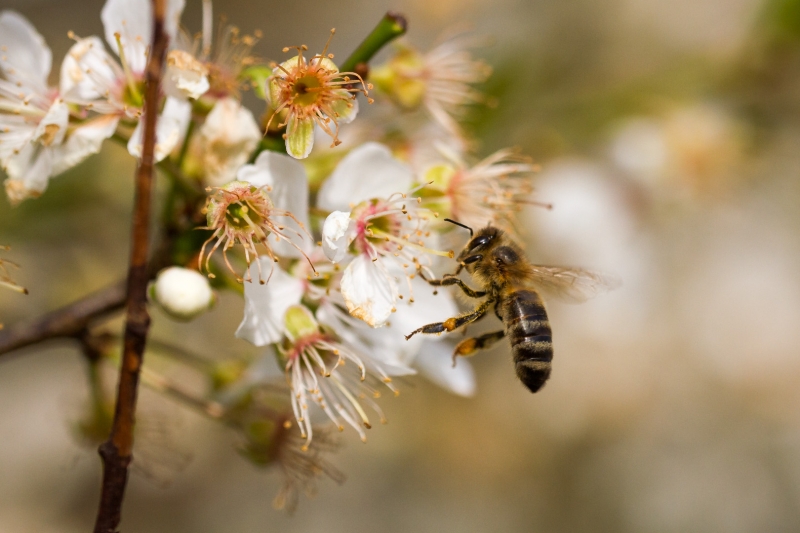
(129, 77)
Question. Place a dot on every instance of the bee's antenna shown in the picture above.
(450, 220)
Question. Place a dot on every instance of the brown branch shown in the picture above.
(116, 452)
(69, 321)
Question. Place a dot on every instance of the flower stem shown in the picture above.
(391, 26)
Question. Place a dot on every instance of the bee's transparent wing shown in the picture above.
(571, 284)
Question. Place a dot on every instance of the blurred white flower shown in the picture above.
(227, 138)
(182, 293)
(170, 129)
(693, 150)
(5, 277)
(213, 63)
(36, 142)
(93, 77)
(185, 76)
(441, 79)
(492, 191)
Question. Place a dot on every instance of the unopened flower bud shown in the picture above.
(182, 293)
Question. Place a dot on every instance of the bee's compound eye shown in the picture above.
(506, 254)
(472, 259)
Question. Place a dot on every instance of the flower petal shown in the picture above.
(357, 334)
(28, 171)
(426, 309)
(32, 167)
(346, 108)
(88, 72)
(265, 305)
(289, 192)
(132, 19)
(299, 137)
(228, 137)
(186, 77)
(435, 362)
(337, 234)
(53, 127)
(170, 129)
(369, 291)
(85, 140)
(26, 58)
(369, 171)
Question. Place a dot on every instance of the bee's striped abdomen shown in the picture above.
(528, 331)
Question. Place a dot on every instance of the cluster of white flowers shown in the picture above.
(328, 242)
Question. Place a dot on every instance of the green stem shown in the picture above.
(391, 26)
(185, 146)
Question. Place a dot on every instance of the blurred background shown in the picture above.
(669, 135)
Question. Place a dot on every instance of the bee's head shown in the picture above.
(479, 246)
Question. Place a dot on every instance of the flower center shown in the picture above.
(303, 90)
(302, 344)
(132, 93)
(240, 216)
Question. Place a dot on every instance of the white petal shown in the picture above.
(29, 170)
(85, 140)
(132, 19)
(88, 72)
(185, 76)
(357, 334)
(265, 305)
(289, 184)
(25, 56)
(53, 127)
(435, 362)
(369, 171)
(427, 308)
(337, 234)
(346, 109)
(369, 291)
(170, 129)
(229, 135)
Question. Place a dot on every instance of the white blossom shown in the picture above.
(385, 230)
(115, 86)
(227, 138)
(312, 92)
(34, 117)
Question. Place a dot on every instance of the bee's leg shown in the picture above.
(454, 323)
(468, 347)
(451, 279)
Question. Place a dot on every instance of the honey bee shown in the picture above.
(510, 283)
